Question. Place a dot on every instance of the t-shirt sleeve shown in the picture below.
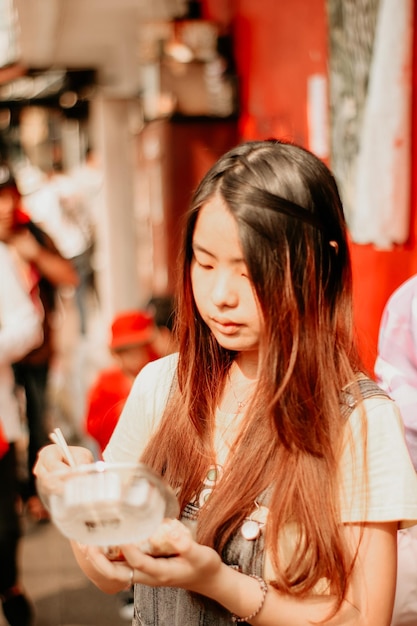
(142, 412)
(378, 483)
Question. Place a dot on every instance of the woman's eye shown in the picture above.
(204, 266)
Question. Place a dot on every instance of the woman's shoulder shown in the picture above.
(366, 398)
(155, 378)
(360, 390)
(160, 370)
(143, 409)
(375, 455)
(379, 414)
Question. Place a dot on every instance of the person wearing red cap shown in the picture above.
(132, 334)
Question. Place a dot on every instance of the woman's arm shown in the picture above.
(49, 261)
(197, 568)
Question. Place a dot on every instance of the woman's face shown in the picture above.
(222, 290)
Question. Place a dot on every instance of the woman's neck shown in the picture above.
(239, 385)
(246, 366)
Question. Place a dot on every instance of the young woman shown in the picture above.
(290, 465)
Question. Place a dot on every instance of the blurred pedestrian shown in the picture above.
(396, 372)
(87, 182)
(396, 363)
(131, 346)
(60, 211)
(20, 332)
(44, 269)
(163, 310)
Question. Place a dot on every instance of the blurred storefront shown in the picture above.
(133, 83)
(176, 83)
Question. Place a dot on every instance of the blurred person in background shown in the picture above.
(20, 332)
(88, 183)
(62, 212)
(87, 186)
(136, 338)
(163, 310)
(396, 372)
(131, 347)
(44, 269)
(396, 363)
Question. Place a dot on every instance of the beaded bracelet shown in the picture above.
(264, 588)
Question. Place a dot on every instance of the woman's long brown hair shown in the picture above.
(293, 234)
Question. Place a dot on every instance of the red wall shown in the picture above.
(278, 45)
(201, 143)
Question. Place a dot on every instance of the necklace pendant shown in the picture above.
(250, 530)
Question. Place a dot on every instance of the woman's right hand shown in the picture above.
(52, 459)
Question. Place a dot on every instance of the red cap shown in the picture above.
(131, 328)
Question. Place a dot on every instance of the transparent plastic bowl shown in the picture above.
(108, 504)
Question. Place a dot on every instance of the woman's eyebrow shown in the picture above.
(198, 248)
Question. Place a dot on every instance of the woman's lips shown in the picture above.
(226, 327)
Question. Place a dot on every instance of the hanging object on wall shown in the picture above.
(187, 70)
(370, 86)
(317, 115)
(381, 211)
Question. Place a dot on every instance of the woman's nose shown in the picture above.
(223, 292)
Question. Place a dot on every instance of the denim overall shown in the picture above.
(170, 606)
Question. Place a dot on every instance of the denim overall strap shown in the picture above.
(368, 388)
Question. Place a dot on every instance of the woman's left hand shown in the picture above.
(176, 561)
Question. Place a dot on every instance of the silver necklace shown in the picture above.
(240, 403)
(250, 528)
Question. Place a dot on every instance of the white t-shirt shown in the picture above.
(388, 494)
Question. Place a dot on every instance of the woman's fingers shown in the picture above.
(165, 557)
(117, 571)
(171, 538)
(51, 458)
(184, 560)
